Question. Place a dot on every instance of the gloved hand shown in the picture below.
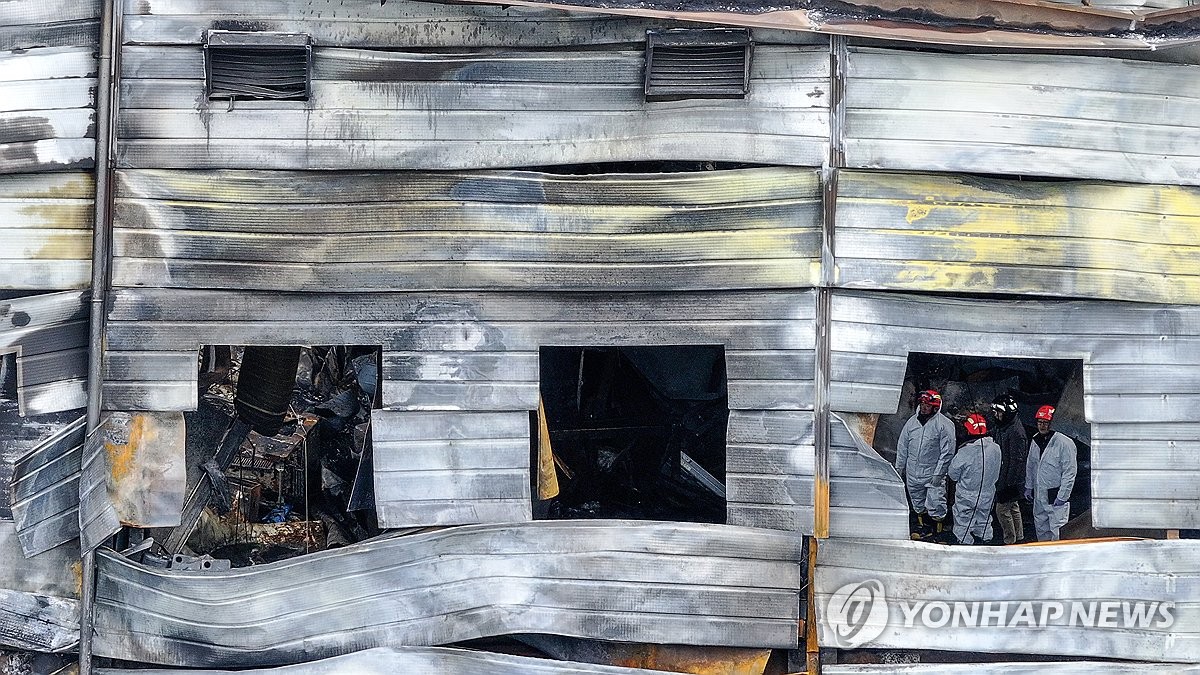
(1060, 502)
(1028, 495)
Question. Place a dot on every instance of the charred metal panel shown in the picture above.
(47, 116)
(990, 23)
(403, 24)
(1038, 115)
(45, 491)
(1141, 392)
(45, 230)
(52, 23)
(754, 228)
(466, 364)
(1123, 571)
(48, 333)
(394, 110)
(963, 234)
(444, 660)
(37, 596)
(616, 580)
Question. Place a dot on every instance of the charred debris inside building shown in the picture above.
(523, 336)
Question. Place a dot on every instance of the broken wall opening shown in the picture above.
(969, 384)
(301, 478)
(635, 432)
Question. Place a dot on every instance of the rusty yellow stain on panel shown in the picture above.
(1089, 240)
(121, 457)
(77, 574)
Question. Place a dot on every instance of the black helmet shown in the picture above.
(1005, 404)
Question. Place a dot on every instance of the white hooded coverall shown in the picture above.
(974, 470)
(1055, 467)
(923, 455)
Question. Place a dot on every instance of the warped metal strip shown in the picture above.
(45, 491)
(98, 519)
(389, 660)
(908, 572)
(615, 580)
(873, 334)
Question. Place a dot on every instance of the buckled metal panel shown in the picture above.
(963, 234)
(37, 606)
(905, 574)
(614, 580)
(443, 660)
(47, 332)
(1025, 114)
(45, 491)
(1145, 463)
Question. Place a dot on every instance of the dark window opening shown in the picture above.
(635, 432)
(697, 63)
(281, 440)
(8, 377)
(257, 65)
(970, 384)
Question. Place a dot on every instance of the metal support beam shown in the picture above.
(837, 116)
(106, 107)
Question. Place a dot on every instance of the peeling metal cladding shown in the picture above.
(994, 23)
(654, 232)
(45, 491)
(1141, 382)
(1040, 115)
(388, 660)
(45, 230)
(38, 610)
(615, 580)
(1105, 241)
(404, 24)
(1018, 668)
(48, 332)
(47, 116)
(1125, 571)
(481, 109)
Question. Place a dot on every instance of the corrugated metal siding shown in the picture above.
(1038, 115)
(391, 110)
(45, 491)
(973, 235)
(38, 610)
(756, 228)
(48, 333)
(401, 24)
(493, 338)
(45, 231)
(615, 580)
(1141, 394)
(1131, 571)
(442, 660)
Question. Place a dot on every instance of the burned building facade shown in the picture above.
(465, 186)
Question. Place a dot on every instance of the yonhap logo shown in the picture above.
(857, 613)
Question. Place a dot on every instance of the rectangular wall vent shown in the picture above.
(697, 63)
(258, 65)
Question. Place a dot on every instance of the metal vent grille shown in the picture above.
(258, 65)
(697, 63)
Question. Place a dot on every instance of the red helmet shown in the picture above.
(975, 424)
(931, 397)
(1045, 412)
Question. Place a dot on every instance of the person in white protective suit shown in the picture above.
(1050, 476)
(923, 455)
(974, 470)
